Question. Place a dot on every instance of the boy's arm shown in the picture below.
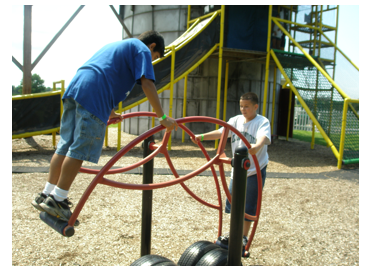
(260, 142)
(213, 135)
(150, 91)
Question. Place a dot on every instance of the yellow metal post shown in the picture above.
(335, 50)
(289, 114)
(225, 92)
(61, 107)
(119, 128)
(172, 76)
(273, 102)
(343, 129)
(295, 20)
(220, 69)
(267, 61)
(343, 132)
(188, 17)
(184, 105)
(106, 136)
(153, 120)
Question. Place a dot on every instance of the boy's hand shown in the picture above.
(254, 149)
(116, 117)
(261, 141)
(169, 123)
(197, 139)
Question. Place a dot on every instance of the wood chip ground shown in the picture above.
(303, 222)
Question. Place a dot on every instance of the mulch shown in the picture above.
(310, 209)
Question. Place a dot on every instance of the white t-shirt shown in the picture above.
(257, 127)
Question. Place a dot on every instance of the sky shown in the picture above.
(95, 26)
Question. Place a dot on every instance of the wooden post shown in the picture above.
(27, 50)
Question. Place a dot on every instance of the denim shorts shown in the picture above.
(81, 134)
(251, 194)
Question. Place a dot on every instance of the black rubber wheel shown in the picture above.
(165, 264)
(216, 257)
(152, 260)
(195, 252)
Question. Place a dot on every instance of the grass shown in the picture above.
(306, 136)
(351, 140)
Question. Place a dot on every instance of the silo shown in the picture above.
(171, 21)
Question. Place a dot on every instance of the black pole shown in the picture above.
(147, 200)
(241, 163)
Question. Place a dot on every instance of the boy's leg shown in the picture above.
(57, 204)
(88, 136)
(68, 172)
(55, 168)
(53, 176)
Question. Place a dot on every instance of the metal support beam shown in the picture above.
(146, 223)
(45, 50)
(16, 62)
(121, 21)
(241, 163)
(27, 50)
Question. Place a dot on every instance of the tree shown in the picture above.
(37, 86)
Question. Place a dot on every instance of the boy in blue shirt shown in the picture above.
(98, 86)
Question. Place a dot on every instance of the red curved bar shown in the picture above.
(219, 159)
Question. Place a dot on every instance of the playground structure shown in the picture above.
(309, 72)
(319, 74)
(240, 162)
(311, 77)
(37, 114)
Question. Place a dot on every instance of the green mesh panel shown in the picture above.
(324, 101)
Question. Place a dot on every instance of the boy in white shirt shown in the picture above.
(256, 129)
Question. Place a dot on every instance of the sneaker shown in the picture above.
(224, 239)
(58, 209)
(38, 200)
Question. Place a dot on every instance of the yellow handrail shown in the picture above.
(36, 95)
(334, 45)
(31, 134)
(186, 41)
(204, 16)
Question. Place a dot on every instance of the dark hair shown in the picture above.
(150, 37)
(250, 96)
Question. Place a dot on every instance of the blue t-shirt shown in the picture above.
(109, 76)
